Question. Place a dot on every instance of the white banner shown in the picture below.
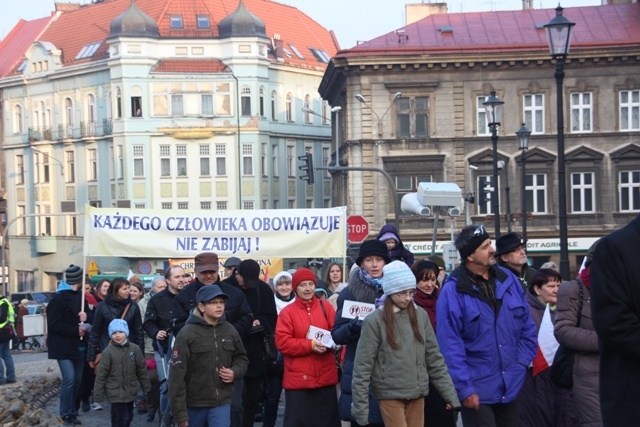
(294, 233)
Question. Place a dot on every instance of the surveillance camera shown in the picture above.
(473, 167)
(454, 211)
(411, 205)
(336, 108)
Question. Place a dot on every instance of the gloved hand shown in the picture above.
(355, 325)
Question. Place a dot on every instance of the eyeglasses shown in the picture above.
(215, 302)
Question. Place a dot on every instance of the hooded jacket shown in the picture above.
(399, 253)
(200, 350)
(108, 310)
(487, 351)
(122, 367)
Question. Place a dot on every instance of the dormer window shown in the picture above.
(203, 21)
(176, 21)
(320, 55)
(296, 51)
(88, 50)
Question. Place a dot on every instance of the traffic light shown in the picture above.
(307, 167)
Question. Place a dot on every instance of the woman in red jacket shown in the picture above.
(310, 371)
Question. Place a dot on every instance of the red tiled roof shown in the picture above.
(189, 66)
(504, 31)
(14, 46)
(91, 23)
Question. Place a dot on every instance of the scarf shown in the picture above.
(584, 275)
(289, 298)
(372, 282)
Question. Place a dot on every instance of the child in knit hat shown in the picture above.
(398, 355)
(121, 361)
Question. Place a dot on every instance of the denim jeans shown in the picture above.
(71, 371)
(5, 354)
(212, 417)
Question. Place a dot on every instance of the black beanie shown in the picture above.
(73, 275)
(373, 248)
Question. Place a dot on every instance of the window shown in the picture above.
(181, 151)
(166, 205)
(274, 161)
(291, 162)
(484, 191)
(21, 224)
(534, 112)
(205, 169)
(326, 156)
(120, 162)
(247, 205)
(45, 168)
(87, 51)
(140, 205)
(177, 106)
(325, 113)
(19, 169)
(17, 119)
(68, 117)
(274, 111)
(481, 117)
(206, 102)
(582, 192)
(630, 110)
(247, 159)
(261, 102)
(165, 160)
(136, 101)
(205, 206)
(138, 161)
(581, 108)
(289, 107)
(221, 206)
(70, 168)
(176, 21)
(536, 193)
(245, 100)
(203, 21)
(223, 99)
(90, 125)
(320, 55)
(629, 191)
(296, 51)
(118, 103)
(92, 172)
(412, 117)
(263, 159)
(183, 205)
(221, 160)
(307, 109)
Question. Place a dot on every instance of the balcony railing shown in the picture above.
(86, 129)
(40, 134)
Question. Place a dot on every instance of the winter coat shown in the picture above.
(157, 317)
(122, 367)
(540, 402)
(304, 369)
(108, 310)
(399, 253)
(236, 310)
(615, 303)
(487, 351)
(22, 311)
(525, 275)
(344, 335)
(63, 338)
(584, 341)
(397, 374)
(199, 351)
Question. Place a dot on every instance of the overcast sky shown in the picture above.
(352, 20)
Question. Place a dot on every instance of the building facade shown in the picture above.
(198, 104)
(444, 66)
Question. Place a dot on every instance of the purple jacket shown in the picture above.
(486, 353)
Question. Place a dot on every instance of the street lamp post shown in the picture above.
(559, 31)
(494, 106)
(502, 165)
(362, 99)
(523, 134)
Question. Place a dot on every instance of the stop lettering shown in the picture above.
(358, 228)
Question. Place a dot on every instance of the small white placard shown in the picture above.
(353, 309)
(321, 335)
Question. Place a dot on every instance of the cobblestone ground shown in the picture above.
(35, 364)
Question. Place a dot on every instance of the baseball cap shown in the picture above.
(209, 292)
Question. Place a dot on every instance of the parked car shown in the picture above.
(42, 298)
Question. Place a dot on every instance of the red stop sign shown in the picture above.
(358, 228)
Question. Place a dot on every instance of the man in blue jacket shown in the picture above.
(485, 333)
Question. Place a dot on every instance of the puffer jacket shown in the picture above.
(400, 252)
(122, 367)
(584, 341)
(487, 351)
(200, 350)
(108, 310)
(304, 369)
(344, 335)
(404, 373)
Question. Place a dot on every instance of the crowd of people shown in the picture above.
(422, 348)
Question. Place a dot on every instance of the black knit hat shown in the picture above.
(373, 248)
(73, 275)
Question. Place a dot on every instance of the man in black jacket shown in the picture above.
(237, 312)
(263, 306)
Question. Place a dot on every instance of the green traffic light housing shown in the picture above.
(307, 167)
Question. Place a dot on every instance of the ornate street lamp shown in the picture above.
(494, 107)
(559, 31)
(523, 134)
(362, 99)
